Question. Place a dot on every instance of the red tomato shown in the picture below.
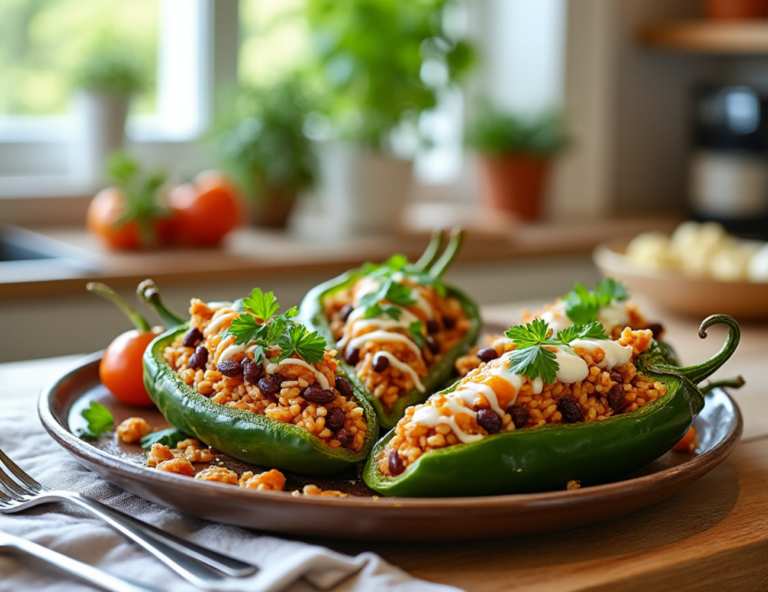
(206, 211)
(103, 214)
(121, 369)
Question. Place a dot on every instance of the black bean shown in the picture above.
(657, 329)
(252, 371)
(334, 419)
(433, 345)
(344, 387)
(192, 338)
(519, 415)
(345, 437)
(487, 354)
(315, 394)
(449, 322)
(269, 386)
(380, 363)
(345, 311)
(230, 368)
(616, 376)
(433, 326)
(396, 465)
(198, 359)
(352, 356)
(570, 410)
(489, 420)
(616, 397)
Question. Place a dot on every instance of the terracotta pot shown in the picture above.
(736, 9)
(515, 183)
(273, 208)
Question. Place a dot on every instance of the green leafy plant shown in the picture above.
(582, 306)
(498, 133)
(375, 59)
(262, 143)
(109, 68)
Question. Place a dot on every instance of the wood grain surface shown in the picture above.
(713, 535)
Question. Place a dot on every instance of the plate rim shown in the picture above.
(690, 470)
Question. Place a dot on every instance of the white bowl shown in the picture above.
(681, 293)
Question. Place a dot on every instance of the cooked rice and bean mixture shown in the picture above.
(596, 379)
(310, 396)
(393, 343)
(179, 460)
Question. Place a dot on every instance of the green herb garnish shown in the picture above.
(582, 306)
(169, 437)
(531, 357)
(416, 329)
(398, 264)
(100, 421)
(259, 325)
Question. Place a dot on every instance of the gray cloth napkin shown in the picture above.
(285, 565)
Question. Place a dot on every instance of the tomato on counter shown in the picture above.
(205, 211)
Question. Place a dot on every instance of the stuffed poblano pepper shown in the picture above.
(547, 409)
(257, 386)
(397, 327)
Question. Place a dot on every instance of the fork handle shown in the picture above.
(95, 577)
(189, 560)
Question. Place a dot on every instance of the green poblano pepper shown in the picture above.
(432, 264)
(547, 457)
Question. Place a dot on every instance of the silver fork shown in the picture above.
(82, 571)
(19, 491)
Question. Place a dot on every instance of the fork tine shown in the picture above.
(22, 477)
(9, 486)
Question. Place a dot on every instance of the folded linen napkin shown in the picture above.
(285, 565)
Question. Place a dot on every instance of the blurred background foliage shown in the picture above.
(44, 41)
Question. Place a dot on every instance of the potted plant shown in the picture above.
(381, 63)
(515, 156)
(104, 83)
(263, 146)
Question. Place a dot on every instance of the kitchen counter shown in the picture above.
(249, 252)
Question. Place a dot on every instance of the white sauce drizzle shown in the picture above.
(615, 354)
(318, 375)
(231, 351)
(380, 336)
(404, 368)
(219, 322)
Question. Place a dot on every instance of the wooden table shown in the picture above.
(713, 535)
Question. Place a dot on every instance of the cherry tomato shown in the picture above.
(206, 211)
(121, 369)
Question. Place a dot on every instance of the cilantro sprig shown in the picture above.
(391, 291)
(169, 437)
(100, 421)
(582, 306)
(258, 325)
(531, 357)
(398, 264)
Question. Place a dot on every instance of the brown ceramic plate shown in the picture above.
(363, 516)
(677, 292)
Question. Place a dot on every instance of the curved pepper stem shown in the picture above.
(737, 382)
(432, 251)
(702, 371)
(149, 294)
(450, 253)
(141, 324)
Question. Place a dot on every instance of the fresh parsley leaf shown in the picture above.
(378, 310)
(534, 361)
(169, 437)
(593, 330)
(534, 333)
(100, 421)
(582, 306)
(246, 329)
(609, 289)
(389, 290)
(264, 306)
(416, 329)
(291, 312)
(299, 340)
